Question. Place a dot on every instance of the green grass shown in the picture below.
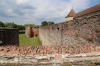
(24, 41)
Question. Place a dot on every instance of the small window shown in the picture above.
(36, 35)
(58, 28)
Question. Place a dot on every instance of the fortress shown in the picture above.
(75, 42)
(79, 28)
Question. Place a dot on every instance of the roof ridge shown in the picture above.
(88, 10)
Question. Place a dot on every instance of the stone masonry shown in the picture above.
(70, 43)
(54, 55)
(81, 30)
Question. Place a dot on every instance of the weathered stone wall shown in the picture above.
(89, 59)
(28, 31)
(31, 31)
(9, 36)
(78, 31)
(54, 55)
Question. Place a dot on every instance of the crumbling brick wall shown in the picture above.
(81, 30)
(9, 36)
(28, 31)
(31, 31)
(35, 31)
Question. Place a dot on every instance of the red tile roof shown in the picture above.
(71, 14)
(89, 10)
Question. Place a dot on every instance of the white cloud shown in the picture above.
(35, 11)
(21, 1)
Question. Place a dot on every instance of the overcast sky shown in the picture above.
(35, 11)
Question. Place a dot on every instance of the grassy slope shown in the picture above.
(24, 41)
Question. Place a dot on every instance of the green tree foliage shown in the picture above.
(44, 23)
(32, 25)
(2, 24)
(10, 25)
(50, 23)
(20, 27)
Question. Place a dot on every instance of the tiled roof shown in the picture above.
(89, 10)
(71, 14)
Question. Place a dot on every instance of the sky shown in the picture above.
(35, 11)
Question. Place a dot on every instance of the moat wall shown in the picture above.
(81, 30)
(31, 31)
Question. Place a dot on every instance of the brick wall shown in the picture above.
(82, 30)
(9, 36)
(31, 31)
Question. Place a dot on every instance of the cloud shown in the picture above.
(36, 11)
(21, 1)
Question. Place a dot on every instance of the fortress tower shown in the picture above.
(71, 15)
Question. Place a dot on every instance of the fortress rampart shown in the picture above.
(71, 43)
(80, 30)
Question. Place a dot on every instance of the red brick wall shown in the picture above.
(31, 31)
(35, 31)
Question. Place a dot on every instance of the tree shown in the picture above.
(32, 25)
(2, 24)
(50, 23)
(14, 25)
(20, 27)
(10, 25)
(44, 23)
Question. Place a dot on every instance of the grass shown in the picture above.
(24, 41)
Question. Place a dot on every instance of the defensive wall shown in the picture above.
(31, 31)
(70, 43)
(80, 30)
